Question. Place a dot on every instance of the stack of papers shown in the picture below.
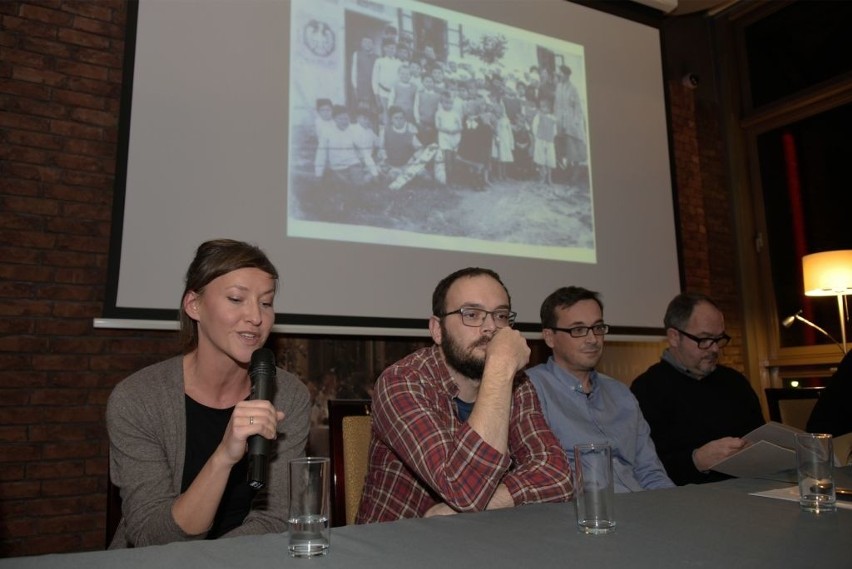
(791, 493)
(772, 449)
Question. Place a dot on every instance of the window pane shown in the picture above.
(806, 174)
(797, 47)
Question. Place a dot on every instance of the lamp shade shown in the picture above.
(828, 273)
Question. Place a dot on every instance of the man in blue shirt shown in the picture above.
(584, 406)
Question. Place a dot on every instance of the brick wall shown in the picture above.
(60, 79)
(704, 208)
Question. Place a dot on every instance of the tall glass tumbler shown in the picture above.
(593, 488)
(815, 469)
(309, 506)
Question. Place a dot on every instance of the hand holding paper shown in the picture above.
(705, 457)
(769, 450)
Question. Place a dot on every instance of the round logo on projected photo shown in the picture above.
(319, 38)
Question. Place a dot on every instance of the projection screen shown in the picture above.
(373, 147)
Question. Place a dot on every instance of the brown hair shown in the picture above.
(212, 260)
(565, 297)
(439, 296)
(680, 309)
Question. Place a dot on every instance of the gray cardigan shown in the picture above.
(146, 421)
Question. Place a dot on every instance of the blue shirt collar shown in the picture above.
(574, 384)
(669, 358)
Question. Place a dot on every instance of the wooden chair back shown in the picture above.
(349, 426)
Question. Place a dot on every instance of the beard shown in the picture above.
(462, 359)
(707, 365)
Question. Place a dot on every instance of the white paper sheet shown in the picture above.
(771, 449)
(791, 494)
(757, 460)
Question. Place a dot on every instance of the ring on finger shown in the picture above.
(251, 420)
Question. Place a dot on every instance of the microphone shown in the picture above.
(262, 374)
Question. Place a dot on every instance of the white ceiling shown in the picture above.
(682, 7)
(691, 6)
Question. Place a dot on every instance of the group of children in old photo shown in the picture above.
(410, 116)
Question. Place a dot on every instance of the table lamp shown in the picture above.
(829, 274)
(787, 322)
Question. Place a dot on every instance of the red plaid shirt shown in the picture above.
(422, 454)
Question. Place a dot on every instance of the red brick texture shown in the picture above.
(704, 208)
(60, 81)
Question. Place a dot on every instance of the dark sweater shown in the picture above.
(833, 411)
(685, 413)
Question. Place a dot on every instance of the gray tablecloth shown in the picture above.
(713, 525)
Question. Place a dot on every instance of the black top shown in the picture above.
(685, 413)
(833, 411)
(205, 428)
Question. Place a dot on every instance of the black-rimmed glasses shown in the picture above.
(705, 343)
(583, 331)
(475, 317)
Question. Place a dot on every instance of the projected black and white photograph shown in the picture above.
(419, 126)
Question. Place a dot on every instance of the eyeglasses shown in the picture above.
(583, 331)
(705, 343)
(475, 317)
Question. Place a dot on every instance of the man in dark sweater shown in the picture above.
(833, 411)
(697, 409)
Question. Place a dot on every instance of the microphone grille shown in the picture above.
(262, 361)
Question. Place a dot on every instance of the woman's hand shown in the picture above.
(195, 509)
(255, 417)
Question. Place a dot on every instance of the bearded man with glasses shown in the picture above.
(698, 409)
(457, 426)
(584, 406)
